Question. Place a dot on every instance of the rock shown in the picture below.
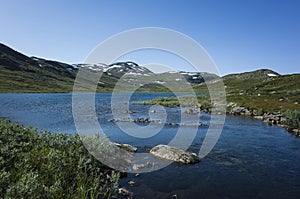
(296, 132)
(174, 154)
(273, 118)
(192, 124)
(141, 166)
(124, 192)
(191, 111)
(239, 110)
(142, 120)
(126, 147)
(259, 117)
(127, 112)
(138, 120)
(131, 183)
(121, 120)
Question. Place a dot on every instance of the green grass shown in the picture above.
(180, 101)
(19, 81)
(276, 94)
(43, 165)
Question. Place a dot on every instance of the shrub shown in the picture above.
(292, 119)
(44, 165)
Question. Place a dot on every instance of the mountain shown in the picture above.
(261, 73)
(117, 69)
(198, 77)
(20, 73)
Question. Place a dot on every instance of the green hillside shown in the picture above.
(278, 93)
(19, 73)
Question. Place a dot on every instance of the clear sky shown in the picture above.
(239, 35)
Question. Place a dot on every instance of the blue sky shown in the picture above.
(239, 35)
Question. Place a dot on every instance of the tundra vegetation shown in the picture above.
(37, 164)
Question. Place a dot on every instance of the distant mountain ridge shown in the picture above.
(20, 73)
(261, 73)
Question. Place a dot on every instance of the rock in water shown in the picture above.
(124, 192)
(141, 166)
(174, 154)
(126, 147)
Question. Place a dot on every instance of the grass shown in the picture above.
(180, 101)
(276, 94)
(44, 165)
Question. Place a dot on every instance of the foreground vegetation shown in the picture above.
(44, 165)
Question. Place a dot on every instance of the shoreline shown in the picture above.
(271, 118)
(232, 108)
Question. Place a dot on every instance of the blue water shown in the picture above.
(250, 160)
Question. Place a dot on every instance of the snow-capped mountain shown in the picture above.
(117, 69)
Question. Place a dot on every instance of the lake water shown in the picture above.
(250, 160)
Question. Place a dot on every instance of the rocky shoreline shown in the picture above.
(163, 152)
(147, 120)
(271, 118)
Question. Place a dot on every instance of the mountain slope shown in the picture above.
(260, 91)
(261, 73)
(20, 73)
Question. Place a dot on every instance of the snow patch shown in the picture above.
(111, 67)
(159, 82)
(271, 75)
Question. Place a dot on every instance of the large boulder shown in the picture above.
(174, 154)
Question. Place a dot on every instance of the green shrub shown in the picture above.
(292, 119)
(44, 165)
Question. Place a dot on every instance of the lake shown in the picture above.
(250, 160)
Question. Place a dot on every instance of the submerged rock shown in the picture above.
(174, 154)
(131, 182)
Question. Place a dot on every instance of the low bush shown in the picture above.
(44, 165)
(292, 119)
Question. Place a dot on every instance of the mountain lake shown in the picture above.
(250, 159)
